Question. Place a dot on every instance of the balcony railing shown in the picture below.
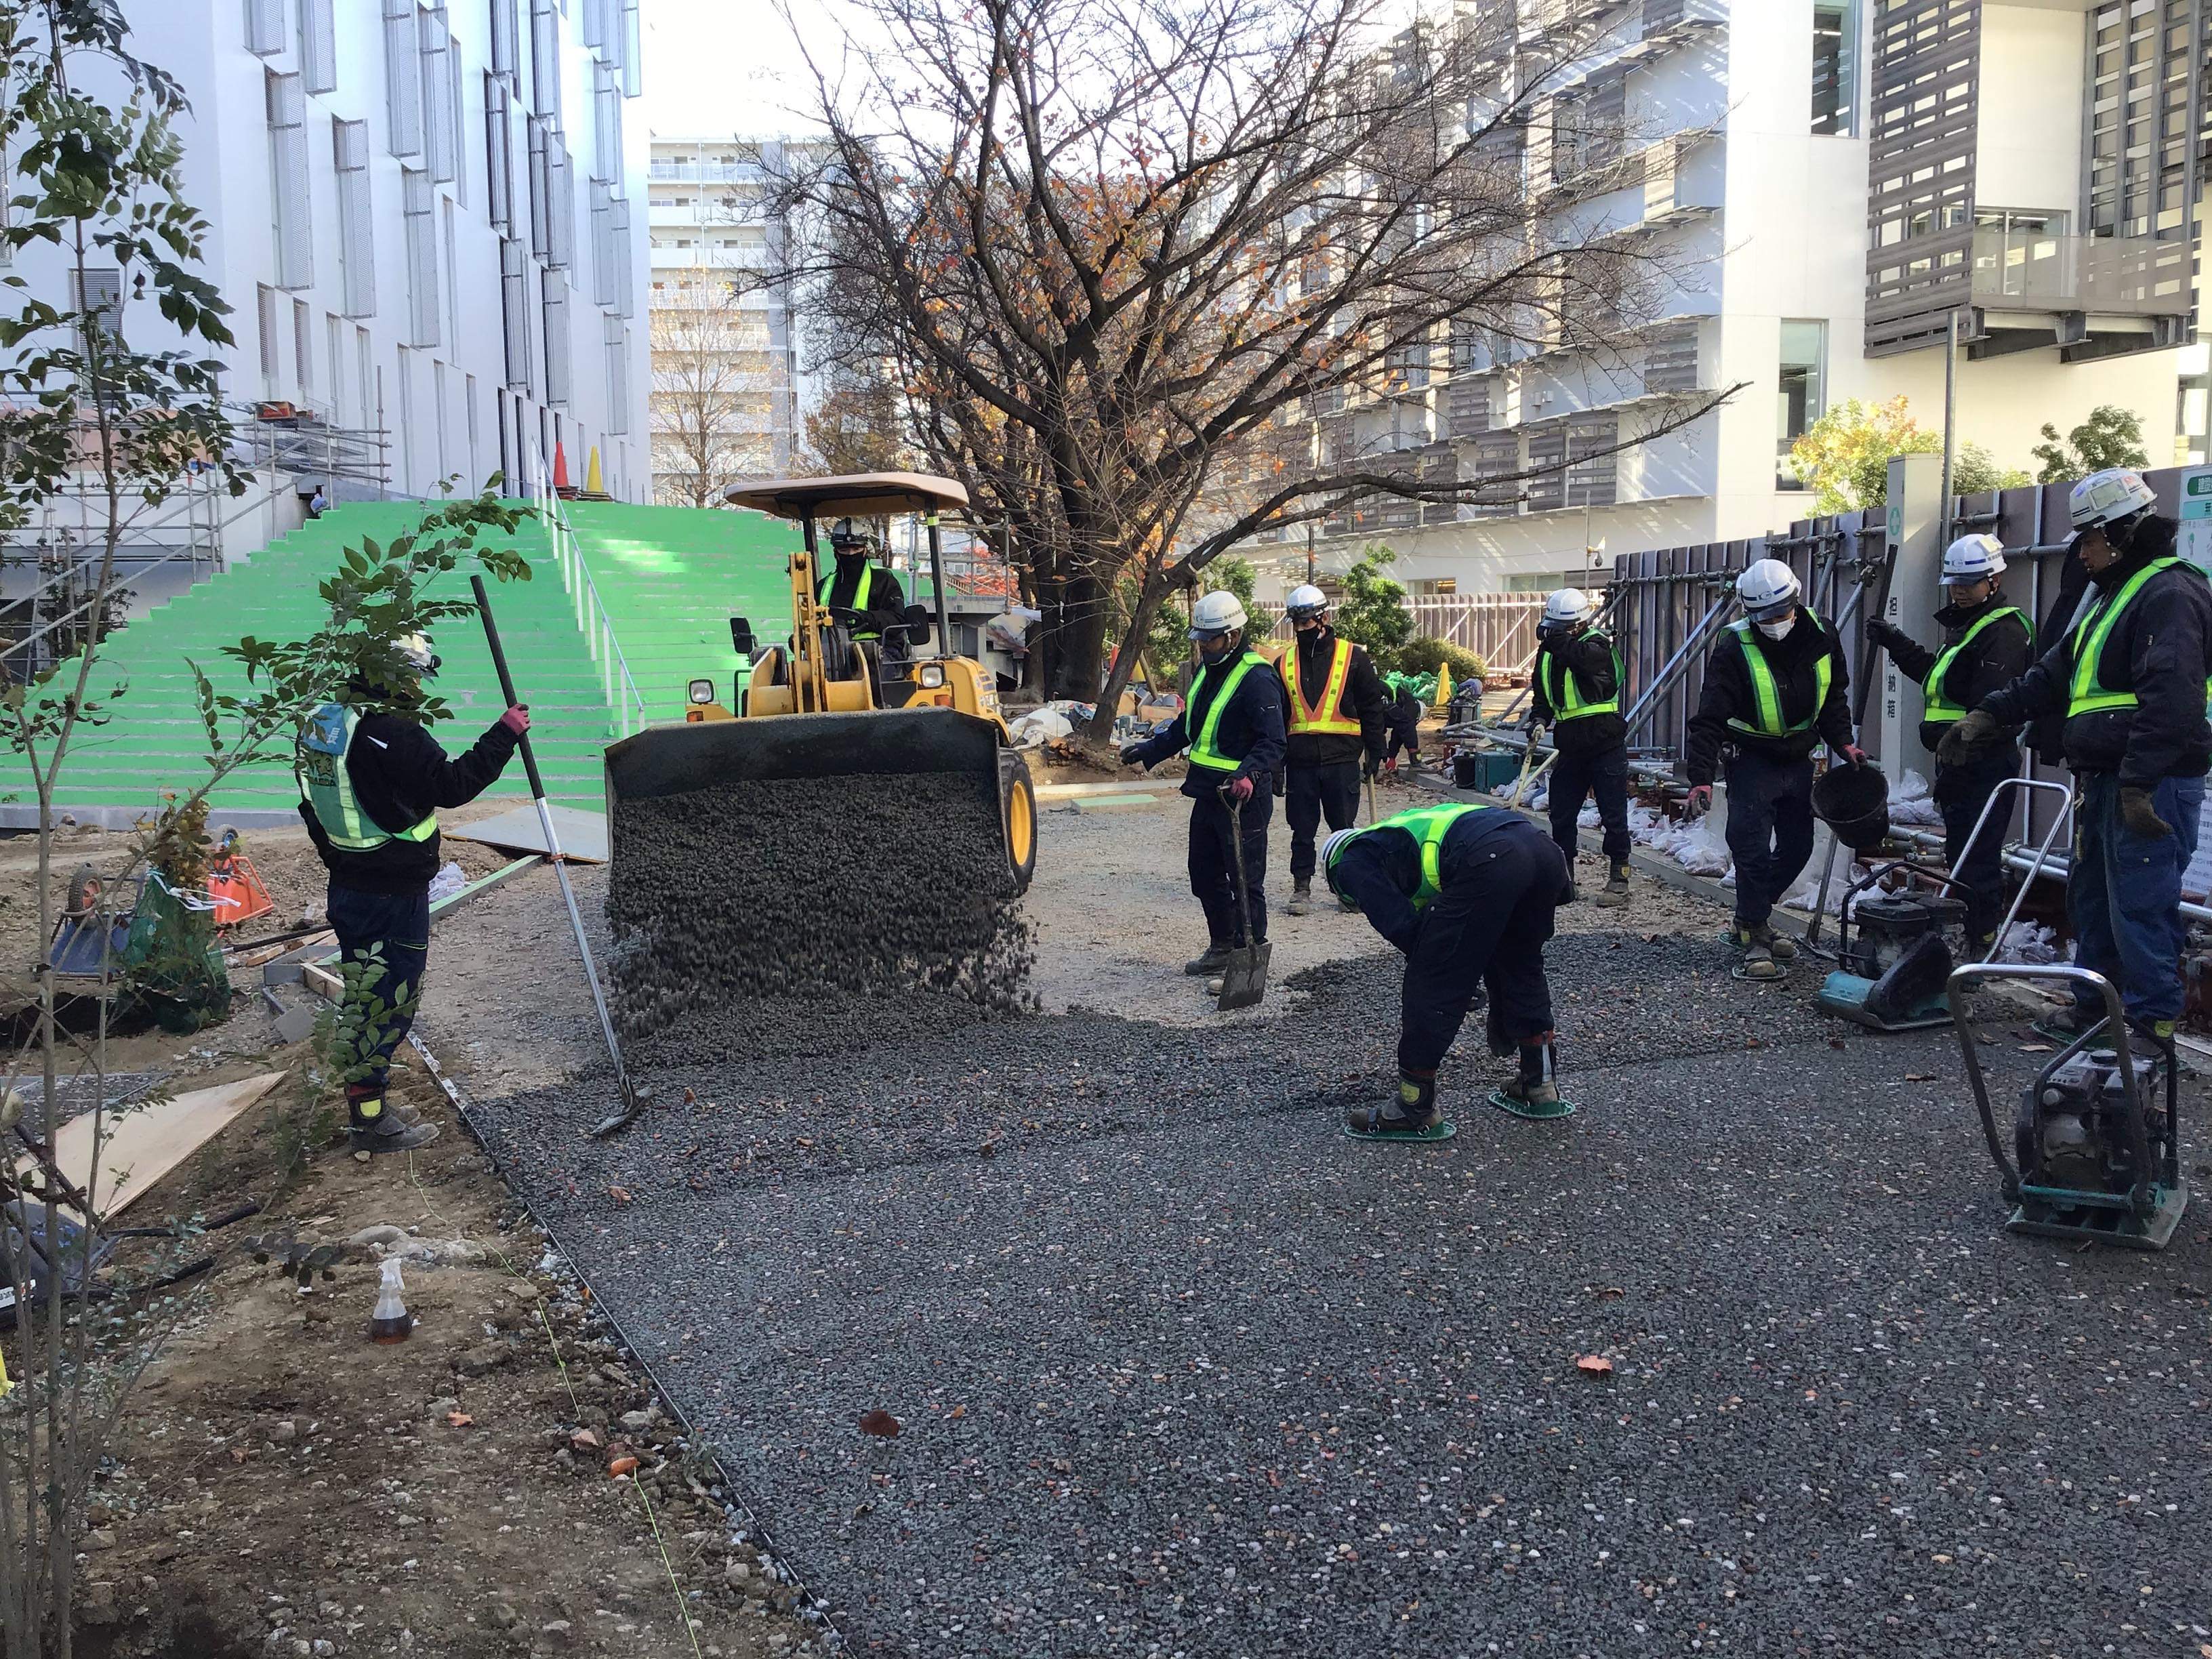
(2017, 269)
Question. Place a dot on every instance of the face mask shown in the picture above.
(1776, 631)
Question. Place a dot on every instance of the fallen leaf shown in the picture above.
(959, 1412)
(1920, 1077)
(689, 1096)
(1595, 1364)
(460, 1419)
(584, 1440)
(2035, 1048)
(621, 1466)
(1607, 1292)
(880, 1423)
(620, 1194)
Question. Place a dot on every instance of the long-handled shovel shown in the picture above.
(1244, 982)
(633, 1097)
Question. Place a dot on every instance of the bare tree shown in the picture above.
(861, 423)
(716, 386)
(1112, 243)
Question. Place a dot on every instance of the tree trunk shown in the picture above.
(1150, 597)
(1075, 632)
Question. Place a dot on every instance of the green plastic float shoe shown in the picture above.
(1414, 1116)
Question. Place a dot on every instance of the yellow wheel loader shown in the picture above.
(827, 704)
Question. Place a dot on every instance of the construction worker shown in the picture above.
(858, 592)
(1986, 645)
(1232, 726)
(1467, 892)
(370, 779)
(1774, 690)
(1339, 714)
(1576, 692)
(1404, 721)
(2131, 675)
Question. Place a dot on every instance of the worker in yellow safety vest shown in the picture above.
(1576, 692)
(1774, 691)
(858, 592)
(2132, 673)
(1231, 725)
(371, 779)
(1338, 718)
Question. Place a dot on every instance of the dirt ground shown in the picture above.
(279, 1485)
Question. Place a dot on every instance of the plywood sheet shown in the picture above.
(141, 1146)
(583, 835)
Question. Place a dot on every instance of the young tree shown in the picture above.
(1845, 456)
(2110, 436)
(859, 426)
(1166, 647)
(1372, 611)
(1111, 243)
(715, 387)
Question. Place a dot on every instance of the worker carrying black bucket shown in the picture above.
(1575, 689)
(371, 779)
(1987, 645)
(1775, 689)
(1468, 893)
(2130, 674)
(1232, 725)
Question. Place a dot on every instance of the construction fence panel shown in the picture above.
(1499, 628)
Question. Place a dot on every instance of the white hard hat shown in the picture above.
(1306, 600)
(2117, 493)
(1329, 843)
(1978, 558)
(1568, 608)
(414, 650)
(1215, 613)
(1768, 588)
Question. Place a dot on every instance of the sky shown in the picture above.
(734, 67)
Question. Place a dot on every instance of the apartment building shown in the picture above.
(420, 215)
(728, 394)
(1821, 186)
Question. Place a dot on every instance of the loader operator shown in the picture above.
(1774, 690)
(370, 778)
(1468, 894)
(858, 592)
(1339, 717)
(1232, 726)
(2130, 676)
(1986, 647)
(1576, 692)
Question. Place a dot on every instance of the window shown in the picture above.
(287, 102)
(556, 337)
(265, 314)
(514, 304)
(356, 229)
(499, 157)
(545, 61)
(440, 117)
(617, 337)
(303, 347)
(367, 386)
(630, 53)
(445, 421)
(453, 244)
(607, 130)
(541, 197)
(1803, 391)
(503, 30)
(469, 414)
(100, 292)
(318, 44)
(625, 299)
(561, 187)
(403, 76)
(417, 200)
(264, 28)
(1835, 38)
(334, 344)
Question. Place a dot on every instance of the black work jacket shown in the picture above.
(1728, 695)
(1999, 655)
(400, 776)
(1365, 699)
(1588, 657)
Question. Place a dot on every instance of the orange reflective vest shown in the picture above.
(1326, 712)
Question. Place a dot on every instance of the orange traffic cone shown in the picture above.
(561, 484)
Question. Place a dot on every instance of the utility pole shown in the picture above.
(1313, 569)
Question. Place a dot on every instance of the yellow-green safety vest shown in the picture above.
(1565, 692)
(1202, 752)
(2089, 695)
(1427, 826)
(319, 764)
(1328, 714)
(859, 596)
(1767, 695)
(1937, 708)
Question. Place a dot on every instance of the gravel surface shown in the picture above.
(1181, 1370)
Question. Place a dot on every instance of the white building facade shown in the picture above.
(420, 216)
(1823, 183)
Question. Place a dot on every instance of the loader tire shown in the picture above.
(1018, 805)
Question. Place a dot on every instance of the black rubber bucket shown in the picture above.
(1854, 802)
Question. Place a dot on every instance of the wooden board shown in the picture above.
(141, 1146)
(583, 835)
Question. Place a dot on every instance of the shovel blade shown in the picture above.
(1244, 982)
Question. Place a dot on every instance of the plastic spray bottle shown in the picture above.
(391, 1322)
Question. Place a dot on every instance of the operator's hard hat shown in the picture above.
(1978, 558)
(1305, 600)
(414, 650)
(1568, 608)
(1215, 614)
(2106, 497)
(1768, 588)
(849, 532)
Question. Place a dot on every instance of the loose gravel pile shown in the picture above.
(808, 916)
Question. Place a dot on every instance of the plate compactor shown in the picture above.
(1893, 950)
(2097, 1135)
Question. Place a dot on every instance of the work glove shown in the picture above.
(1535, 734)
(1370, 767)
(1852, 754)
(517, 719)
(1699, 803)
(1958, 743)
(1238, 790)
(1133, 754)
(1885, 634)
(2140, 815)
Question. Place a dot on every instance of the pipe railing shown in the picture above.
(615, 681)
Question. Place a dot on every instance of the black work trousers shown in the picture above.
(1213, 862)
(1330, 792)
(1602, 773)
(1405, 734)
(1769, 829)
(384, 940)
(1961, 792)
(1485, 931)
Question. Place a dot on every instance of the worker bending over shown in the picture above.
(1774, 689)
(1339, 714)
(860, 592)
(1986, 647)
(1576, 692)
(1468, 893)
(2131, 676)
(1232, 726)
(370, 779)
(1404, 721)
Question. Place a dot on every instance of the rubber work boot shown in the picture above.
(370, 1129)
(1780, 946)
(1414, 1110)
(1211, 963)
(407, 1114)
(1759, 961)
(1302, 898)
(1533, 1086)
(1616, 889)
